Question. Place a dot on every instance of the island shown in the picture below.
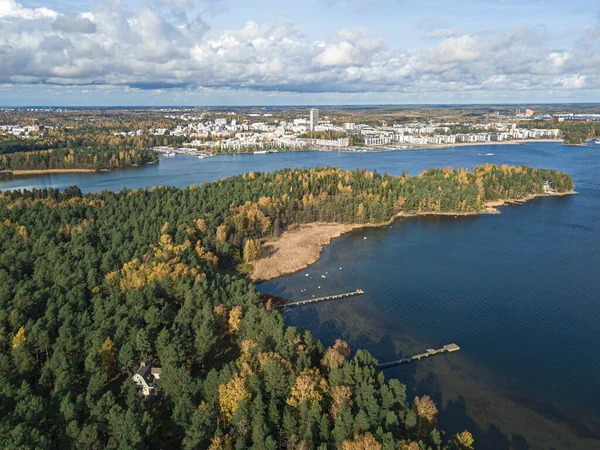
(127, 318)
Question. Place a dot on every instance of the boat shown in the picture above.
(169, 154)
(490, 154)
(261, 152)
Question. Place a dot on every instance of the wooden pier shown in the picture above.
(449, 348)
(311, 301)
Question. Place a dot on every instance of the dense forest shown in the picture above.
(85, 141)
(92, 285)
(84, 148)
(69, 158)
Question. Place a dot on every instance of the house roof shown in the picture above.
(145, 371)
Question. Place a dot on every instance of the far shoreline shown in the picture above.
(45, 171)
(301, 246)
(27, 172)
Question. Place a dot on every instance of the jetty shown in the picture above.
(328, 298)
(449, 348)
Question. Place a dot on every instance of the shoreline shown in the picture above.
(66, 171)
(414, 147)
(511, 142)
(44, 171)
(301, 246)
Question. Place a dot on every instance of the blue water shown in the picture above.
(183, 170)
(519, 291)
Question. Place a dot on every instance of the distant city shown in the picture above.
(209, 132)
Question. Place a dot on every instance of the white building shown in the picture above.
(146, 378)
(314, 119)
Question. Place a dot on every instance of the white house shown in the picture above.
(146, 378)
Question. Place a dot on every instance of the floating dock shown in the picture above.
(449, 348)
(311, 301)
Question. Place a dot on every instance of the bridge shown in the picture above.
(449, 348)
(311, 301)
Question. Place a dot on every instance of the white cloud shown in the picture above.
(151, 49)
(74, 24)
(575, 81)
(10, 9)
(458, 49)
(442, 33)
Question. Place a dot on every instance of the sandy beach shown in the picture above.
(296, 249)
(301, 246)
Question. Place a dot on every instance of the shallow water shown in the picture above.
(519, 291)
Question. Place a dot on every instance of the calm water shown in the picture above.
(519, 291)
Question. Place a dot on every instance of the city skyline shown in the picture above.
(318, 52)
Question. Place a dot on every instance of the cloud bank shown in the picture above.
(154, 49)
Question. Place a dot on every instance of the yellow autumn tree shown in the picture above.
(19, 338)
(426, 412)
(464, 440)
(221, 315)
(251, 250)
(409, 445)
(221, 443)
(362, 442)
(341, 397)
(309, 387)
(335, 356)
(201, 225)
(361, 214)
(425, 407)
(108, 355)
(230, 396)
(22, 231)
(235, 317)
(222, 233)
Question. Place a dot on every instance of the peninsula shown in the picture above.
(128, 319)
(433, 192)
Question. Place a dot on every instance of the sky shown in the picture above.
(305, 52)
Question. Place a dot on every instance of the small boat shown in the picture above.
(261, 152)
(170, 154)
(307, 275)
(365, 238)
(490, 154)
(323, 276)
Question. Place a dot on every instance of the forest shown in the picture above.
(90, 286)
(69, 158)
(81, 148)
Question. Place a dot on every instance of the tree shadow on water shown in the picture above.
(455, 418)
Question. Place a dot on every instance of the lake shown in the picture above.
(518, 292)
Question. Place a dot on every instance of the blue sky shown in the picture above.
(233, 52)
